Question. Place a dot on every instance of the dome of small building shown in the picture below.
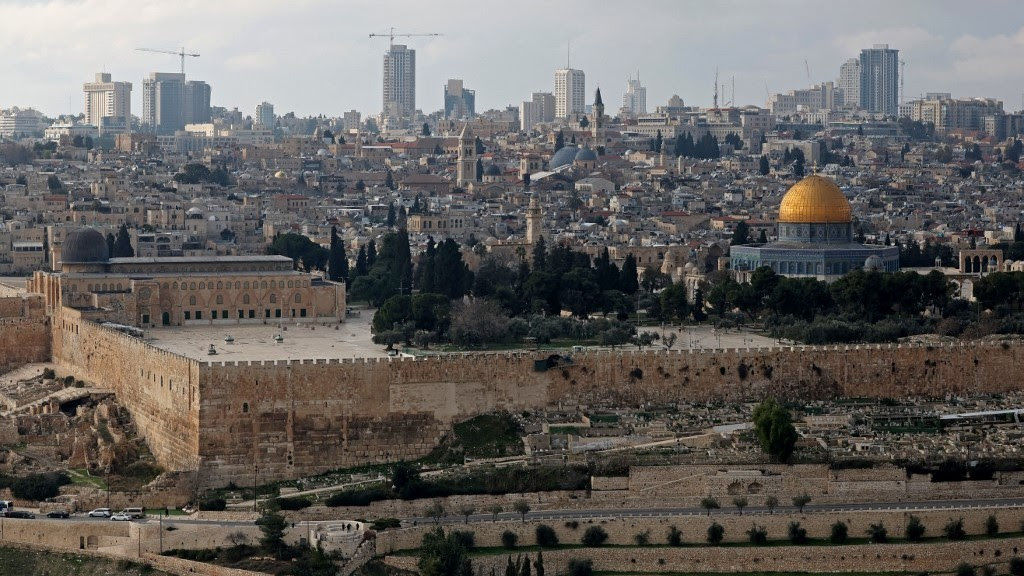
(492, 170)
(873, 262)
(280, 175)
(564, 156)
(815, 199)
(84, 246)
(322, 152)
(586, 155)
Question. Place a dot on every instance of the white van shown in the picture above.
(134, 513)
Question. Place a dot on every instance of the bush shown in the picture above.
(1017, 566)
(466, 538)
(674, 537)
(991, 525)
(965, 569)
(213, 505)
(509, 539)
(797, 533)
(878, 534)
(546, 536)
(642, 538)
(49, 374)
(715, 533)
(915, 529)
(294, 503)
(581, 567)
(382, 524)
(594, 536)
(757, 535)
(954, 529)
(840, 533)
(39, 487)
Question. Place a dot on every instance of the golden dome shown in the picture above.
(815, 199)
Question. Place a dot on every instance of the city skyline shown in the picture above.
(316, 57)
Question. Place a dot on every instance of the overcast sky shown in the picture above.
(315, 56)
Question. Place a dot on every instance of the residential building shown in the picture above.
(634, 101)
(108, 105)
(351, 121)
(163, 102)
(570, 93)
(539, 109)
(399, 82)
(459, 102)
(880, 79)
(197, 102)
(814, 99)
(849, 82)
(264, 114)
(949, 114)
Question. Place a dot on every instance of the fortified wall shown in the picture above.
(24, 331)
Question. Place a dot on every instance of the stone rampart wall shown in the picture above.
(24, 332)
(160, 389)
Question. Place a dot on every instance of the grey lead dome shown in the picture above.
(84, 246)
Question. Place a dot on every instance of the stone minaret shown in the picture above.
(534, 228)
(466, 172)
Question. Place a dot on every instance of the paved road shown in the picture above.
(639, 512)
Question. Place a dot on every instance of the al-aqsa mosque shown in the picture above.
(815, 238)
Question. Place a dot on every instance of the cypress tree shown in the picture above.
(337, 263)
(122, 244)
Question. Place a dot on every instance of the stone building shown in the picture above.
(176, 291)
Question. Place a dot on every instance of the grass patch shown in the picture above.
(27, 562)
(81, 477)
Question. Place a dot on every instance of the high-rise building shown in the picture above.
(880, 79)
(541, 108)
(849, 82)
(163, 102)
(459, 102)
(197, 102)
(570, 92)
(399, 82)
(108, 105)
(264, 114)
(352, 121)
(634, 101)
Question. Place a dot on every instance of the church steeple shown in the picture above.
(597, 125)
(597, 98)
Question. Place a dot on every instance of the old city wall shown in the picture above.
(160, 389)
(307, 416)
(24, 332)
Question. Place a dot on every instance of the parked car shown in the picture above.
(121, 517)
(135, 513)
(18, 514)
(57, 514)
(100, 513)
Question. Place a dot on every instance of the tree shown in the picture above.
(629, 281)
(877, 533)
(538, 564)
(122, 244)
(709, 503)
(559, 141)
(1017, 566)
(915, 529)
(337, 260)
(53, 183)
(495, 509)
(509, 539)
(389, 180)
(954, 529)
(801, 501)
(674, 537)
(740, 502)
(715, 534)
(764, 168)
(581, 567)
(304, 252)
(991, 525)
(741, 235)
(839, 534)
(658, 140)
(425, 131)
(522, 507)
(444, 555)
(594, 536)
(21, 180)
(965, 569)
(545, 536)
(478, 144)
(771, 502)
(763, 237)
(436, 511)
(757, 534)
(361, 267)
(110, 243)
(797, 534)
(775, 431)
(272, 526)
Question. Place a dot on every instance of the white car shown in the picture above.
(121, 517)
(100, 513)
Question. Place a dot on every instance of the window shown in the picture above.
(199, 314)
(298, 298)
(266, 313)
(241, 314)
(224, 314)
(245, 407)
(188, 315)
(214, 314)
(277, 313)
(302, 313)
(145, 318)
(245, 299)
(192, 300)
(252, 313)
(220, 299)
(273, 298)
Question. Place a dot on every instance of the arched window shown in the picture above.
(245, 299)
(245, 407)
(192, 286)
(220, 285)
(273, 298)
(202, 285)
(298, 298)
(220, 299)
(192, 300)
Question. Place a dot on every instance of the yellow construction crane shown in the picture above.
(180, 53)
(391, 35)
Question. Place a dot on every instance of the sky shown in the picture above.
(316, 57)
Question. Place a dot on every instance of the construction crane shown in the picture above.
(391, 35)
(903, 68)
(808, 68)
(180, 53)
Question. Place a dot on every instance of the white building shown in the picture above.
(539, 109)
(849, 82)
(634, 101)
(108, 105)
(17, 122)
(351, 121)
(399, 82)
(264, 114)
(570, 93)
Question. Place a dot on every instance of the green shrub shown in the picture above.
(213, 504)
(715, 534)
(509, 539)
(1017, 566)
(878, 534)
(675, 536)
(991, 525)
(954, 529)
(840, 533)
(546, 536)
(965, 569)
(757, 535)
(39, 487)
(915, 529)
(642, 538)
(594, 536)
(294, 503)
(381, 524)
(797, 533)
(581, 567)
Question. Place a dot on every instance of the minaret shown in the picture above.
(598, 123)
(466, 170)
(533, 222)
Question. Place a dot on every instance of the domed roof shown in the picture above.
(586, 155)
(84, 246)
(280, 175)
(873, 262)
(564, 156)
(815, 199)
(492, 170)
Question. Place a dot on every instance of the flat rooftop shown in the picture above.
(254, 342)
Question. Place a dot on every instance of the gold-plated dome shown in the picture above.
(815, 199)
